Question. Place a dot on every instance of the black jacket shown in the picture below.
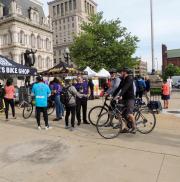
(127, 88)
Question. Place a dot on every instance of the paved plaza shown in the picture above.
(58, 155)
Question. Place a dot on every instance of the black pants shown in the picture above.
(81, 102)
(139, 94)
(11, 103)
(70, 110)
(45, 115)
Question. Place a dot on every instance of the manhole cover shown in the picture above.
(174, 112)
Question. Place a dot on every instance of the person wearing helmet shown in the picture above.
(115, 82)
(41, 91)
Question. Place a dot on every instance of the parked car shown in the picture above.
(177, 84)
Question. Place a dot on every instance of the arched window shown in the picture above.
(47, 44)
(33, 40)
(39, 43)
(39, 62)
(22, 37)
(22, 59)
(48, 62)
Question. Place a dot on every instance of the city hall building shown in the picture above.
(23, 26)
(67, 17)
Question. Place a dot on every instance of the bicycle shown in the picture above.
(112, 127)
(96, 111)
(28, 107)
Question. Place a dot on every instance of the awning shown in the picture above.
(62, 69)
(103, 73)
(90, 72)
(10, 67)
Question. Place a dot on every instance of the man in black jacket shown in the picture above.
(126, 94)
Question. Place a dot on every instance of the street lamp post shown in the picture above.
(67, 55)
(152, 36)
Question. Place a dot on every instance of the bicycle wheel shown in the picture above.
(50, 110)
(109, 129)
(95, 112)
(27, 111)
(145, 121)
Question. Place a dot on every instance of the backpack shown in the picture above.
(64, 96)
(140, 86)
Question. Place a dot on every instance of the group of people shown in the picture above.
(73, 95)
(76, 93)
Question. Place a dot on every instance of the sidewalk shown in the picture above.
(58, 155)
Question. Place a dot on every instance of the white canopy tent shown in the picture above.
(103, 73)
(90, 72)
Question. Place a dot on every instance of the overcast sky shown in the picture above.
(135, 15)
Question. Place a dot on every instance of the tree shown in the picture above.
(103, 44)
(171, 70)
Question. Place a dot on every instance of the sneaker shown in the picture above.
(14, 117)
(86, 122)
(79, 123)
(133, 130)
(6, 119)
(39, 128)
(66, 127)
(48, 127)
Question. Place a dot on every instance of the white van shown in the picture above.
(175, 80)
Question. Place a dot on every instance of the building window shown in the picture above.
(74, 4)
(54, 10)
(58, 9)
(32, 41)
(22, 59)
(62, 9)
(39, 62)
(54, 61)
(66, 7)
(72, 25)
(39, 42)
(72, 18)
(22, 37)
(85, 4)
(70, 5)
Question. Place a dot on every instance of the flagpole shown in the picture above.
(152, 35)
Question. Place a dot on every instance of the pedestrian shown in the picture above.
(165, 94)
(140, 87)
(70, 103)
(56, 90)
(115, 83)
(147, 88)
(41, 91)
(9, 98)
(91, 87)
(170, 82)
(81, 102)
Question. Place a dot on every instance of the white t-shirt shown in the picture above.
(170, 81)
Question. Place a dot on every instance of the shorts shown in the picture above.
(129, 106)
(165, 97)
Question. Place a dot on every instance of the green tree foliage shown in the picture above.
(103, 44)
(171, 70)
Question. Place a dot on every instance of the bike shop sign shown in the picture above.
(7, 68)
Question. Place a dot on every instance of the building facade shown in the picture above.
(67, 16)
(141, 68)
(23, 26)
(170, 57)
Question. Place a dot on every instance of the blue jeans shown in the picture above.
(59, 107)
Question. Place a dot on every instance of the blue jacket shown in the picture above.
(41, 92)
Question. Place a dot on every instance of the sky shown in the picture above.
(135, 15)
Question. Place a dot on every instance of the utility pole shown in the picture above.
(152, 35)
